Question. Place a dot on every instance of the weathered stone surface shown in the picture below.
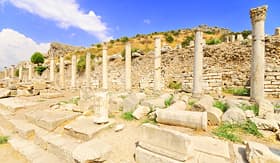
(265, 107)
(239, 153)
(83, 128)
(24, 92)
(50, 119)
(249, 113)
(39, 85)
(69, 107)
(24, 129)
(165, 142)
(195, 120)
(115, 104)
(264, 124)
(236, 103)
(179, 105)
(92, 151)
(119, 127)
(259, 153)
(154, 103)
(203, 104)
(141, 111)
(211, 146)
(201, 157)
(234, 115)
(214, 116)
(14, 104)
(131, 101)
(4, 92)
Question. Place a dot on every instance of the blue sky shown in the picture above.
(85, 22)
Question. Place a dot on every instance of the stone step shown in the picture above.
(23, 129)
(84, 128)
(32, 152)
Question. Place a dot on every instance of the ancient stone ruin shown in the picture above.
(168, 105)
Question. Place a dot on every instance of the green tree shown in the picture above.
(169, 39)
(37, 58)
(187, 41)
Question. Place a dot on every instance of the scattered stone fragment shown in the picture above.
(264, 124)
(141, 111)
(265, 107)
(234, 115)
(119, 127)
(203, 104)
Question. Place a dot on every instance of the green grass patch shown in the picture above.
(238, 91)
(231, 131)
(221, 105)
(175, 85)
(213, 41)
(127, 116)
(151, 121)
(3, 139)
(168, 101)
(191, 102)
(253, 107)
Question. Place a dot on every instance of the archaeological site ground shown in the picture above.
(201, 95)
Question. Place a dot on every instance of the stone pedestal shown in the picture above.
(128, 67)
(101, 104)
(104, 68)
(73, 71)
(29, 72)
(52, 67)
(258, 16)
(157, 71)
(88, 67)
(61, 73)
(198, 65)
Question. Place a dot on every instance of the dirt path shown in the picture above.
(9, 155)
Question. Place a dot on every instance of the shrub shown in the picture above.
(238, 91)
(191, 102)
(17, 73)
(169, 39)
(209, 32)
(37, 58)
(175, 85)
(127, 116)
(168, 101)
(3, 139)
(40, 69)
(124, 39)
(213, 41)
(221, 105)
(187, 41)
(245, 33)
(81, 65)
(112, 41)
(98, 45)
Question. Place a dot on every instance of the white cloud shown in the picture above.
(15, 47)
(147, 21)
(66, 13)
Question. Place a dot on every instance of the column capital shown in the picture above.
(258, 14)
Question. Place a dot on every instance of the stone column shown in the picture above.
(74, 71)
(12, 71)
(5, 72)
(198, 65)
(52, 68)
(258, 16)
(232, 38)
(128, 66)
(61, 72)
(88, 67)
(240, 37)
(157, 75)
(20, 72)
(30, 72)
(227, 39)
(104, 67)
(101, 106)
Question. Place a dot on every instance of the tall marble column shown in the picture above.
(61, 72)
(12, 71)
(198, 65)
(88, 67)
(104, 67)
(157, 71)
(73, 71)
(52, 67)
(258, 16)
(20, 72)
(5, 72)
(30, 72)
(128, 66)
(232, 38)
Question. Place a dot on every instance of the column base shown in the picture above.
(196, 95)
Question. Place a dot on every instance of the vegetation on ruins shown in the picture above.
(37, 58)
(81, 65)
(245, 33)
(124, 39)
(239, 91)
(175, 85)
(213, 41)
(168, 101)
(223, 106)
(187, 41)
(232, 131)
(191, 102)
(253, 107)
(209, 32)
(127, 116)
(3, 139)
(17, 73)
